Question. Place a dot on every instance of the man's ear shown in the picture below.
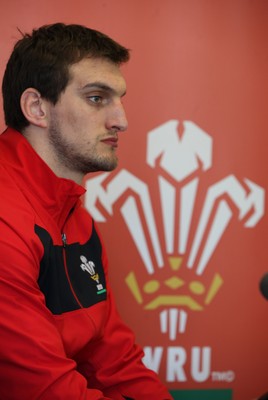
(34, 107)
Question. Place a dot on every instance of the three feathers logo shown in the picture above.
(178, 236)
(89, 267)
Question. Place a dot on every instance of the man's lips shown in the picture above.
(111, 141)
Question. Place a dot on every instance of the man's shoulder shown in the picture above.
(13, 205)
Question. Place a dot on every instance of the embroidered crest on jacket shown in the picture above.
(89, 266)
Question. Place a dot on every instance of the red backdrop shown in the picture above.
(184, 215)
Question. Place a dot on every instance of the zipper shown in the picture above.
(64, 241)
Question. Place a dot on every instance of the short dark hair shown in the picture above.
(42, 59)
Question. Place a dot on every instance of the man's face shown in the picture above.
(84, 123)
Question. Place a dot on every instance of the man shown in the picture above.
(61, 336)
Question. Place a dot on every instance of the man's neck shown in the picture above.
(38, 139)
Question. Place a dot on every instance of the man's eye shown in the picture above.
(95, 99)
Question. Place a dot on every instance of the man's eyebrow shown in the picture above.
(102, 86)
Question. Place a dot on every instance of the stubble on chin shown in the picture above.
(73, 157)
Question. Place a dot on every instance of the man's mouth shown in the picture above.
(111, 141)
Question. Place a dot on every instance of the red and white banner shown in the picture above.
(184, 216)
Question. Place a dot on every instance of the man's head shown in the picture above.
(43, 59)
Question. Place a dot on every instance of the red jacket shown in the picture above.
(60, 334)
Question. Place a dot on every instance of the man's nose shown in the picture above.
(117, 119)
